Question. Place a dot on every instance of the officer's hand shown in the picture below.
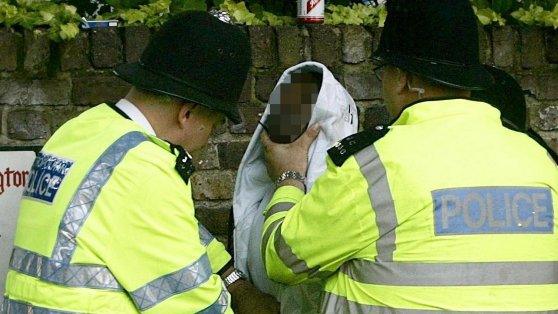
(293, 156)
(246, 299)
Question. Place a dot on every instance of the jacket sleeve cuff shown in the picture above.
(218, 256)
(285, 194)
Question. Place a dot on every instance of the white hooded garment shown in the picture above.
(336, 112)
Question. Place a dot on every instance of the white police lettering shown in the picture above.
(47, 174)
(493, 210)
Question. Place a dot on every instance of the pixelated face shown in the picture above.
(291, 108)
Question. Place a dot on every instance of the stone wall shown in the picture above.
(43, 84)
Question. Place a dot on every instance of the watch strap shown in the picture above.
(233, 277)
(290, 174)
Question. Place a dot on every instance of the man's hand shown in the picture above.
(246, 299)
(294, 156)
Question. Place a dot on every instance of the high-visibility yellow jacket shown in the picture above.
(107, 225)
(448, 211)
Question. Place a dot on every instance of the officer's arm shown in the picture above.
(216, 251)
(311, 235)
(159, 253)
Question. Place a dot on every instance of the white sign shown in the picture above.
(14, 174)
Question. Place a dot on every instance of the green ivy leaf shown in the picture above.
(9, 14)
(70, 9)
(383, 15)
(31, 20)
(68, 31)
(133, 17)
(47, 16)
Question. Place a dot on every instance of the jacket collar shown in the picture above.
(131, 111)
(430, 109)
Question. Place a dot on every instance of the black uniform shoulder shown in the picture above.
(354, 143)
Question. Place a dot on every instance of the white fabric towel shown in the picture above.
(336, 112)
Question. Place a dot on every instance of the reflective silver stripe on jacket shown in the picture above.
(266, 236)
(278, 208)
(452, 274)
(205, 236)
(164, 287)
(86, 194)
(58, 269)
(334, 304)
(73, 275)
(381, 199)
(282, 249)
(15, 307)
(288, 257)
(220, 305)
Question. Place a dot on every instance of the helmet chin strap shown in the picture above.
(420, 91)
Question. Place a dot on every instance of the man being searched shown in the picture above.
(447, 210)
(107, 223)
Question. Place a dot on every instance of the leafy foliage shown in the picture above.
(528, 12)
(152, 14)
(488, 16)
(240, 14)
(9, 14)
(155, 12)
(500, 12)
(536, 15)
(61, 19)
(356, 14)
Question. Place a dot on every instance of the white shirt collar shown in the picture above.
(135, 114)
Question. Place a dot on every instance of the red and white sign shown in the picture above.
(311, 11)
(14, 174)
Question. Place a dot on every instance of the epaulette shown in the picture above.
(184, 165)
(352, 144)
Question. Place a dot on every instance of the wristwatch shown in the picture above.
(289, 174)
(233, 277)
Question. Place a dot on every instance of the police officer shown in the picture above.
(107, 222)
(448, 210)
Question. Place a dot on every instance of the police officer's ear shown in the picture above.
(185, 112)
(400, 79)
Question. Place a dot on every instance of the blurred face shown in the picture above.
(289, 115)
